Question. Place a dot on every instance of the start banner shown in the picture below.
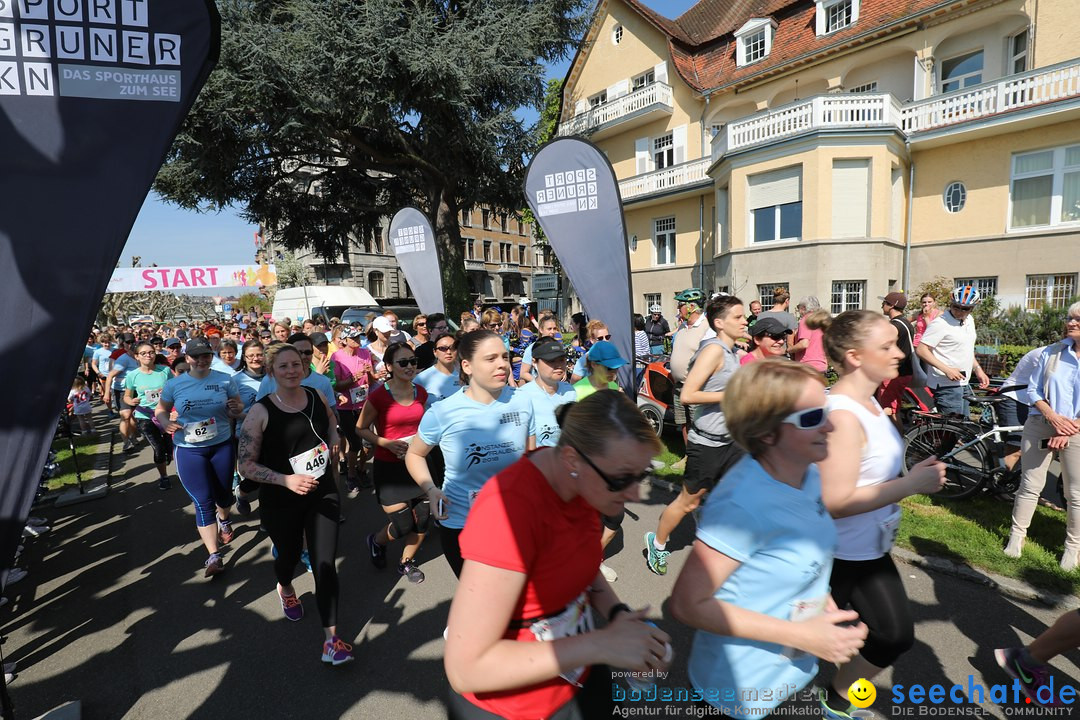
(192, 277)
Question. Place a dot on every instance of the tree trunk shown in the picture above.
(444, 215)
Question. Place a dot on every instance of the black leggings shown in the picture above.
(592, 701)
(289, 519)
(451, 548)
(874, 590)
(160, 442)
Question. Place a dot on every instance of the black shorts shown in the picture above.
(393, 483)
(705, 465)
(347, 420)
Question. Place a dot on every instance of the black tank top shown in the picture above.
(289, 434)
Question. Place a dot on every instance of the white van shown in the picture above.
(329, 301)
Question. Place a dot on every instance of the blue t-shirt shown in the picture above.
(784, 540)
(200, 407)
(222, 366)
(438, 386)
(580, 367)
(477, 441)
(124, 363)
(315, 381)
(103, 355)
(544, 405)
(249, 388)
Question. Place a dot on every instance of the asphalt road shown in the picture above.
(115, 613)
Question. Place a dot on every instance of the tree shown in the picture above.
(255, 300)
(324, 116)
(290, 271)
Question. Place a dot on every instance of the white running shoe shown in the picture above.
(609, 572)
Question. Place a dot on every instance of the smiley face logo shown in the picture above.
(862, 693)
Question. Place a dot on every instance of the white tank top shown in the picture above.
(869, 535)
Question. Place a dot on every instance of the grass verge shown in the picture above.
(84, 446)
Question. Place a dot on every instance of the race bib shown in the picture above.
(200, 432)
(312, 462)
(357, 394)
(888, 529)
(152, 396)
(804, 609)
(575, 619)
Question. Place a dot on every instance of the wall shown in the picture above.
(639, 221)
(1055, 31)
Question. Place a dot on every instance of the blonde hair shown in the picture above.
(758, 398)
(490, 316)
(819, 319)
(848, 331)
(271, 353)
(603, 417)
(594, 325)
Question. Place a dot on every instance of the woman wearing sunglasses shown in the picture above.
(442, 379)
(770, 340)
(862, 485)
(394, 409)
(521, 640)
(756, 584)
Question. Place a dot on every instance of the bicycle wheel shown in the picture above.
(966, 470)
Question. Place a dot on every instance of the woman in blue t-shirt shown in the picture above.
(481, 430)
(756, 584)
(142, 390)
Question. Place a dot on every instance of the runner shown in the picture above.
(530, 582)
(481, 430)
(710, 451)
(602, 364)
(226, 360)
(756, 584)
(312, 380)
(861, 485)
(289, 444)
(549, 328)
(248, 381)
(354, 369)
(81, 409)
(206, 401)
(442, 379)
(101, 363)
(378, 340)
(142, 391)
(122, 362)
(395, 409)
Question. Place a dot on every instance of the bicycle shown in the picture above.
(973, 450)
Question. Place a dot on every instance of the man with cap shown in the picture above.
(657, 328)
(948, 350)
(123, 360)
(891, 391)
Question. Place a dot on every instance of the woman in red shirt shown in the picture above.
(395, 410)
(520, 639)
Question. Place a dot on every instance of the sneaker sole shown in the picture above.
(335, 663)
(211, 572)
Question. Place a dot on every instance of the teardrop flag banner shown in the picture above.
(413, 241)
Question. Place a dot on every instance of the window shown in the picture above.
(1046, 188)
(521, 255)
(486, 215)
(376, 284)
(847, 295)
(466, 218)
(1049, 291)
(503, 222)
(647, 78)
(521, 228)
(663, 152)
(1018, 52)
(865, 88)
(470, 249)
(505, 253)
(987, 286)
(650, 300)
(962, 71)
(376, 237)
(487, 251)
(598, 99)
(776, 205)
(616, 35)
(766, 294)
(664, 240)
(754, 40)
(833, 15)
(955, 197)
(755, 46)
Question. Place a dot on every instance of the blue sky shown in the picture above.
(167, 235)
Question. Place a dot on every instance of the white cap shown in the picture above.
(382, 324)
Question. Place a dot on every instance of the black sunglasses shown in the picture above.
(603, 337)
(406, 362)
(446, 348)
(616, 484)
(774, 336)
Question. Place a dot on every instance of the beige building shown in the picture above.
(841, 148)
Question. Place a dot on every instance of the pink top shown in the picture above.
(814, 354)
(345, 366)
(921, 323)
(747, 358)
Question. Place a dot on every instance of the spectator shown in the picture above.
(948, 347)
(657, 328)
(781, 303)
(809, 342)
(928, 314)
(892, 391)
(683, 347)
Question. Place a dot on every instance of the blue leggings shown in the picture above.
(206, 474)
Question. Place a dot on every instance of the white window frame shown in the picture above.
(664, 228)
(962, 80)
(766, 292)
(1012, 56)
(847, 295)
(824, 13)
(598, 99)
(1058, 170)
(1041, 293)
(870, 87)
(466, 218)
(663, 151)
(749, 33)
(750, 210)
(487, 251)
(962, 189)
(470, 248)
(987, 286)
(616, 34)
(650, 300)
(643, 80)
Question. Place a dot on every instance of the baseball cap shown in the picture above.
(318, 338)
(172, 342)
(128, 338)
(198, 346)
(157, 340)
(768, 325)
(382, 324)
(604, 353)
(549, 349)
(346, 333)
(897, 299)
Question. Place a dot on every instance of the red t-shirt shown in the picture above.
(396, 421)
(519, 523)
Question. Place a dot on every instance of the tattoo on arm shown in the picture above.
(250, 447)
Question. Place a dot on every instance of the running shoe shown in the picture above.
(377, 552)
(352, 486)
(609, 572)
(225, 531)
(305, 557)
(655, 559)
(291, 606)
(164, 483)
(336, 651)
(1031, 675)
(410, 572)
(214, 565)
(832, 713)
(35, 530)
(15, 575)
(243, 505)
(129, 445)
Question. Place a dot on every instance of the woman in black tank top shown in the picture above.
(289, 443)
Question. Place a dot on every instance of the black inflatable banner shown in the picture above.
(571, 188)
(92, 93)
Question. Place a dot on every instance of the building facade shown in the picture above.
(841, 148)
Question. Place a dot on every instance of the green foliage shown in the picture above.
(1011, 354)
(290, 271)
(256, 300)
(940, 287)
(325, 116)
(1017, 326)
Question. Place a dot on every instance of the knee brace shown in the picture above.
(613, 522)
(422, 513)
(401, 522)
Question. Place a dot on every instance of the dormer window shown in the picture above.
(754, 40)
(834, 15)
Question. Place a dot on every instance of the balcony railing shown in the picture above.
(474, 265)
(509, 268)
(826, 112)
(667, 179)
(656, 93)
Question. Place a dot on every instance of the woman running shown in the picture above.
(521, 641)
(142, 391)
(395, 409)
(205, 400)
(354, 370)
(756, 584)
(861, 485)
(481, 430)
(248, 380)
(289, 444)
(442, 379)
